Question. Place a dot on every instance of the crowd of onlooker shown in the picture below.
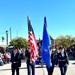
(5, 58)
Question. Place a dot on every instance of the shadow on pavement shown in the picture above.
(22, 68)
(73, 63)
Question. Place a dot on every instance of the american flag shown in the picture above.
(3, 38)
(32, 42)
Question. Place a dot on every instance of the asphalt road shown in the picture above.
(6, 69)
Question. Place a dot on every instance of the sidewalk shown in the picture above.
(6, 69)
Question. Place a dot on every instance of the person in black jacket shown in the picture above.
(53, 62)
(30, 64)
(62, 60)
(15, 61)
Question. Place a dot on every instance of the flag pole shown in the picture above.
(45, 45)
(42, 68)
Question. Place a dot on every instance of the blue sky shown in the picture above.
(60, 15)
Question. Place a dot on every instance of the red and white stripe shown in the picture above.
(33, 46)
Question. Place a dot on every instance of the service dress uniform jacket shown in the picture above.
(15, 63)
(30, 65)
(62, 60)
(53, 61)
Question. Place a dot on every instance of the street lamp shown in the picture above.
(6, 38)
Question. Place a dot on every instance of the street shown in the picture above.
(6, 69)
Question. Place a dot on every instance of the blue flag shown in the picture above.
(46, 56)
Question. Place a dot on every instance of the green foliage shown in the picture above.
(20, 43)
(66, 41)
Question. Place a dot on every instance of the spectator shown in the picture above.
(9, 58)
(1, 60)
(5, 58)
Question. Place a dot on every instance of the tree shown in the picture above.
(66, 41)
(20, 43)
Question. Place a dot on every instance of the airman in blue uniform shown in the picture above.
(30, 65)
(15, 61)
(62, 60)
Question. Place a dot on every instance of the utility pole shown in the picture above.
(10, 34)
(17, 33)
(6, 38)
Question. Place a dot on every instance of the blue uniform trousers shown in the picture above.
(31, 68)
(14, 68)
(63, 70)
(50, 70)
